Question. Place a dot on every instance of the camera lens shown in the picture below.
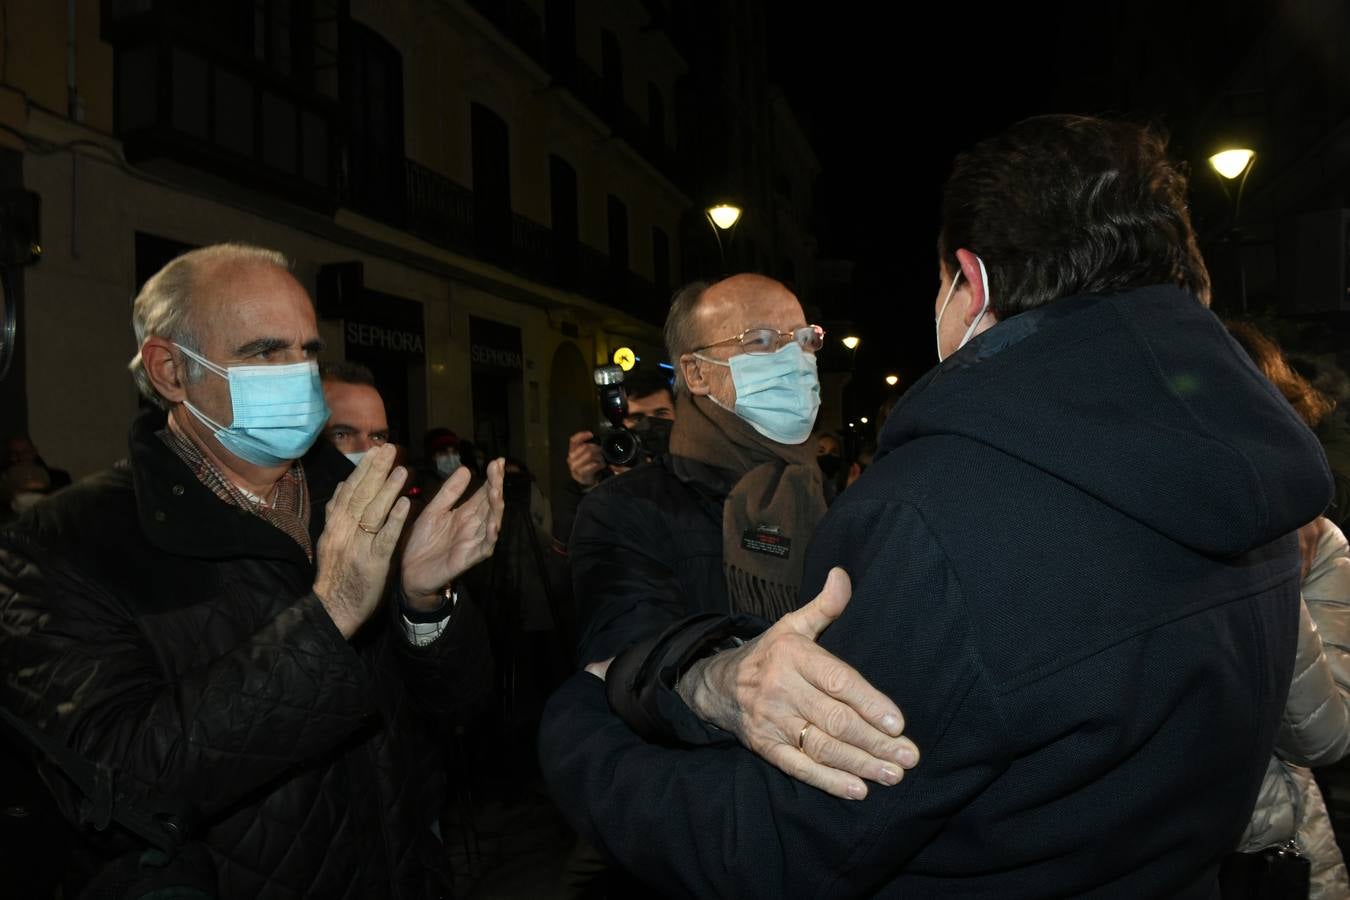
(619, 447)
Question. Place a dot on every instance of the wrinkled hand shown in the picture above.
(781, 690)
(585, 462)
(1308, 538)
(353, 562)
(445, 542)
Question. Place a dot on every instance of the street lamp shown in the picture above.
(851, 342)
(722, 217)
(1230, 164)
(892, 380)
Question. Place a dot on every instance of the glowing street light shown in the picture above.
(724, 215)
(863, 420)
(892, 380)
(1232, 163)
(852, 341)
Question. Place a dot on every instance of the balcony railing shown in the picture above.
(438, 210)
(522, 26)
(184, 94)
(442, 212)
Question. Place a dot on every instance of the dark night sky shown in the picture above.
(887, 104)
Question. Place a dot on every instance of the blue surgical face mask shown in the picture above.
(446, 464)
(937, 323)
(278, 410)
(355, 458)
(777, 393)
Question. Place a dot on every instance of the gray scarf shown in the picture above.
(774, 501)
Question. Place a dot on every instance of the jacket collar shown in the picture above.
(180, 515)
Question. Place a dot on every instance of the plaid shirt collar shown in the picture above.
(289, 509)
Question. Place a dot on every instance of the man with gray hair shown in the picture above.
(215, 620)
(704, 547)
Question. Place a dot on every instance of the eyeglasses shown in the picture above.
(766, 340)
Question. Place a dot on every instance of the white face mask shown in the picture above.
(356, 457)
(446, 464)
(970, 332)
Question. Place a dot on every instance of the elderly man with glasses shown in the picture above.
(701, 549)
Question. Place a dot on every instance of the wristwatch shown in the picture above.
(448, 594)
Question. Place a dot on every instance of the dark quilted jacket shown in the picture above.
(154, 628)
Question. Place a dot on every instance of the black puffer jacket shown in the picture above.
(157, 629)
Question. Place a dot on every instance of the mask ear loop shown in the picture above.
(937, 323)
(984, 308)
(210, 366)
(202, 417)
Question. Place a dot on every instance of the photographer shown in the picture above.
(651, 409)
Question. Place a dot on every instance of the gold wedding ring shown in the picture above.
(367, 529)
(801, 737)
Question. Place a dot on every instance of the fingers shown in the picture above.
(584, 459)
(337, 501)
(373, 517)
(387, 540)
(880, 763)
(836, 683)
(496, 500)
(450, 492)
(854, 727)
(846, 740)
(369, 477)
(802, 767)
(824, 609)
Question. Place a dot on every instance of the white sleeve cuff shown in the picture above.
(422, 633)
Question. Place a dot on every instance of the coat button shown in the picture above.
(178, 490)
(159, 515)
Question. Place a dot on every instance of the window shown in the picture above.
(491, 182)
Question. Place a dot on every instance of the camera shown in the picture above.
(619, 444)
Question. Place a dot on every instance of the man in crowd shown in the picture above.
(720, 526)
(357, 422)
(651, 409)
(830, 458)
(1073, 565)
(20, 451)
(222, 620)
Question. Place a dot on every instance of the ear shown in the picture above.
(975, 286)
(165, 369)
(692, 369)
